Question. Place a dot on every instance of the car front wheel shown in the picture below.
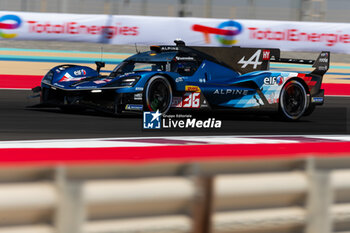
(158, 94)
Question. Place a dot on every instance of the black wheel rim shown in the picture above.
(294, 100)
(158, 96)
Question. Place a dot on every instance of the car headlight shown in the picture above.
(48, 77)
(125, 82)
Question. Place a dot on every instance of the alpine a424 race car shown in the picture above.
(189, 77)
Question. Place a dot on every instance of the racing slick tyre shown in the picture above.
(309, 110)
(293, 101)
(158, 94)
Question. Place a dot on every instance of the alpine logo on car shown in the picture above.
(273, 80)
(253, 60)
(230, 92)
(169, 48)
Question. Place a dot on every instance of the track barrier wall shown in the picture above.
(276, 189)
(126, 29)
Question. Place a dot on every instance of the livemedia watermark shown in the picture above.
(155, 120)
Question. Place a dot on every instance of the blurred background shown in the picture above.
(295, 10)
(275, 196)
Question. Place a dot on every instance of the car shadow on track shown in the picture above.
(224, 115)
(84, 113)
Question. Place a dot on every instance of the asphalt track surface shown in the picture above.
(18, 122)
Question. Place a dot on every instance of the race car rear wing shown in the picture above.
(243, 60)
(321, 64)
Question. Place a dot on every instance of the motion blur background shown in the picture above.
(276, 196)
(294, 10)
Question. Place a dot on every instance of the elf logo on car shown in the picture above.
(266, 55)
(79, 72)
(253, 60)
(273, 80)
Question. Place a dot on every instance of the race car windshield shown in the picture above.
(132, 67)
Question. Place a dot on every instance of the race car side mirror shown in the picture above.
(99, 65)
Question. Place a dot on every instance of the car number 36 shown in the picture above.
(191, 100)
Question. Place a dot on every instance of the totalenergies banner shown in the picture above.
(143, 30)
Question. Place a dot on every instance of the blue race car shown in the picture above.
(189, 77)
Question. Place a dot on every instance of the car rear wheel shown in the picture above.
(158, 94)
(309, 110)
(293, 101)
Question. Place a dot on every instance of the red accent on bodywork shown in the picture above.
(301, 75)
(307, 79)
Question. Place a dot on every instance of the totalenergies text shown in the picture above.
(330, 39)
(76, 28)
